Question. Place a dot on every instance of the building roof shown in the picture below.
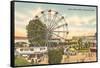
(20, 38)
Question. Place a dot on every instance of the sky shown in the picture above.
(81, 19)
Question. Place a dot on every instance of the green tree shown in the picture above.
(80, 43)
(36, 32)
(20, 44)
(55, 56)
(87, 45)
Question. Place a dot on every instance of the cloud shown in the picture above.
(22, 19)
(81, 32)
(81, 26)
(36, 11)
(79, 21)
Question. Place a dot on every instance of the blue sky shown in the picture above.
(81, 19)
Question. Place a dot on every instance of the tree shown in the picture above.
(87, 45)
(55, 56)
(20, 44)
(36, 32)
(80, 43)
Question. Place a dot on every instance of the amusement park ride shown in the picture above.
(56, 25)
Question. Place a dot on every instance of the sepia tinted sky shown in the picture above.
(81, 19)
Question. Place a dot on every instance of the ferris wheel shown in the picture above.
(57, 27)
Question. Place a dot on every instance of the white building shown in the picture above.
(32, 54)
(31, 50)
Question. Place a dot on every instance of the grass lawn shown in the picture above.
(20, 61)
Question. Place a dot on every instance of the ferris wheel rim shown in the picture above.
(53, 25)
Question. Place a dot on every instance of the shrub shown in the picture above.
(55, 56)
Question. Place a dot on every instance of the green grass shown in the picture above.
(20, 61)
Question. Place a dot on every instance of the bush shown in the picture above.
(55, 56)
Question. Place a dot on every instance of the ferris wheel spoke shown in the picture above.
(59, 26)
(56, 22)
(53, 21)
(59, 36)
(42, 18)
(45, 18)
(60, 31)
(54, 16)
(49, 17)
